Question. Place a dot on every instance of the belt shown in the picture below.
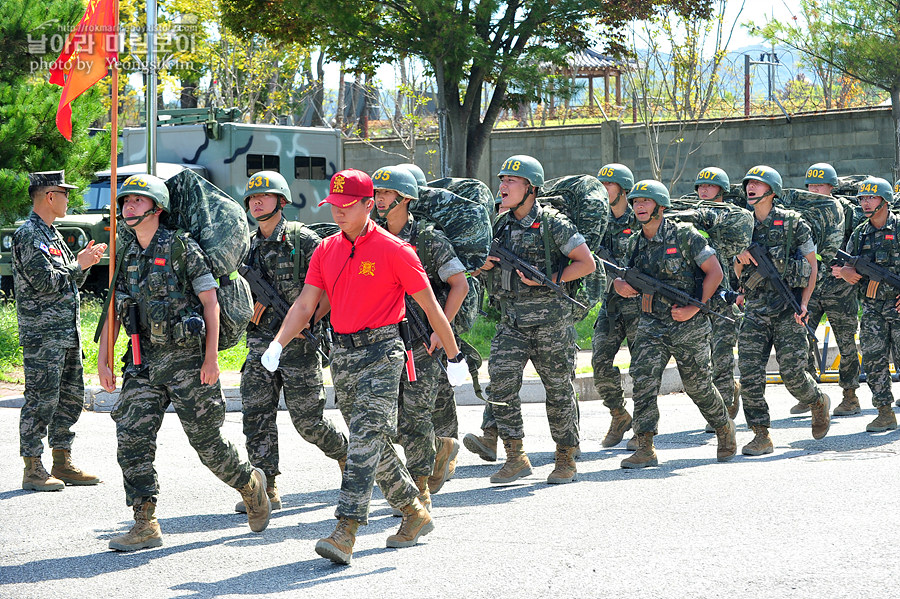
(366, 336)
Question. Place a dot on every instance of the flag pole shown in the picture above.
(113, 185)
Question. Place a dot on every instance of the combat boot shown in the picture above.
(416, 523)
(339, 546)
(725, 436)
(517, 463)
(645, 454)
(66, 471)
(565, 471)
(761, 443)
(800, 408)
(736, 402)
(620, 424)
(633, 443)
(256, 501)
(821, 416)
(452, 467)
(271, 491)
(885, 421)
(484, 446)
(145, 532)
(849, 405)
(424, 493)
(447, 449)
(37, 479)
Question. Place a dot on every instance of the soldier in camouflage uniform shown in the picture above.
(47, 276)
(177, 362)
(768, 319)
(365, 272)
(618, 317)
(427, 456)
(878, 240)
(837, 298)
(280, 252)
(535, 323)
(678, 255)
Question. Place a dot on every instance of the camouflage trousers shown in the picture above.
(415, 426)
(609, 332)
(366, 387)
(879, 336)
(446, 423)
(550, 349)
(299, 375)
(759, 333)
(658, 340)
(721, 347)
(843, 317)
(54, 397)
(171, 376)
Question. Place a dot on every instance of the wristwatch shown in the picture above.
(456, 360)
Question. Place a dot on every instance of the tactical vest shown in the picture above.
(668, 263)
(883, 248)
(779, 240)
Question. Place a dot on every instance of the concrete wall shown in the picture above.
(858, 141)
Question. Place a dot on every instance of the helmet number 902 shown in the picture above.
(815, 173)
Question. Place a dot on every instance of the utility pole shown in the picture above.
(770, 60)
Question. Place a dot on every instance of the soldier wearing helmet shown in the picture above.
(535, 323)
(836, 298)
(679, 256)
(280, 251)
(428, 457)
(165, 281)
(876, 240)
(768, 319)
(618, 317)
(711, 184)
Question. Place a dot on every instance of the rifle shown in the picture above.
(267, 297)
(649, 286)
(875, 273)
(510, 262)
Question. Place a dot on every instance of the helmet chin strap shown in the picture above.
(870, 214)
(657, 213)
(266, 217)
(618, 198)
(137, 219)
(753, 201)
(382, 214)
(531, 190)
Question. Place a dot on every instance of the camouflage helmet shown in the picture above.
(266, 182)
(652, 190)
(618, 174)
(767, 175)
(523, 166)
(821, 173)
(876, 186)
(713, 175)
(396, 178)
(416, 172)
(145, 185)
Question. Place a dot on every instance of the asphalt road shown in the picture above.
(814, 519)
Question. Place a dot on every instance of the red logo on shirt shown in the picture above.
(536, 225)
(626, 232)
(160, 262)
(778, 222)
(671, 250)
(889, 237)
(367, 269)
(54, 252)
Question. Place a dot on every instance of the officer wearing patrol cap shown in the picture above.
(768, 319)
(280, 251)
(678, 255)
(47, 276)
(878, 240)
(427, 457)
(177, 365)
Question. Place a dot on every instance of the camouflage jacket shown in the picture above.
(46, 278)
(273, 258)
(524, 305)
(826, 284)
(673, 256)
(617, 241)
(881, 246)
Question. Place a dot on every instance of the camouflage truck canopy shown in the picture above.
(825, 216)
(728, 227)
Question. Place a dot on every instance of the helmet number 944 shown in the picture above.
(869, 188)
(258, 182)
(511, 165)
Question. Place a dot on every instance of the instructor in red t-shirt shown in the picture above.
(365, 271)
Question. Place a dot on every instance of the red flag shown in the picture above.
(86, 57)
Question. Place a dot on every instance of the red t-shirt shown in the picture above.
(365, 281)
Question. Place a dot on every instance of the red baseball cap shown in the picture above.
(348, 187)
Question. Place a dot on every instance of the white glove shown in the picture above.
(457, 372)
(272, 356)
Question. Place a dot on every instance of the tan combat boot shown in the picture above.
(645, 454)
(424, 493)
(447, 449)
(484, 446)
(145, 532)
(849, 405)
(339, 546)
(761, 443)
(416, 523)
(271, 491)
(633, 443)
(800, 408)
(37, 479)
(886, 420)
(517, 463)
(565, 471)
(821, 416)
(452, 467)
(736, 402)
(66, 471)
(620, 424)
(256, 501)
(725, 436)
